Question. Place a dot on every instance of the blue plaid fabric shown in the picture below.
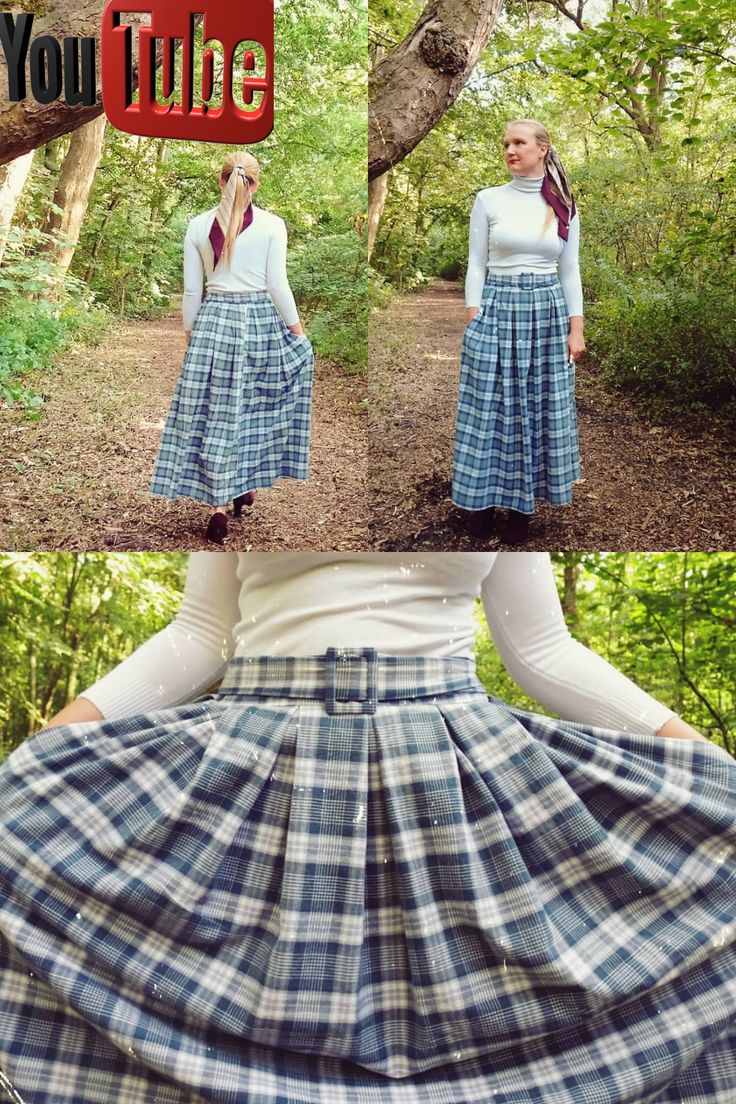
(516, 434)
(241, 413)
(356, 879)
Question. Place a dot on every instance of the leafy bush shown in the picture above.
(444, 250)
(328, 276)
(137, 270)
(34, 329)
(380, 292)
(29, 335)
(673, 346)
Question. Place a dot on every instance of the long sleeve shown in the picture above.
(528, 628)
(193, 279)
(277, 280)
(569, 269)
(183, 660)
(475, 277)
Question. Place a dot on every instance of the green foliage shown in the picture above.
(66, 619)
(380, 292)
(647, 62)
(659, 279)
(30, 334)
(34, 329)
(673, 346)
(424, 224)
(665, 619)
(334, 295)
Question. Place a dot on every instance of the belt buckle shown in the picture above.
(350, 680)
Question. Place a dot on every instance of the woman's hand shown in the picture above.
(297, 328)
(470, 313)
(187, 335)
(575, 339)
(680, 730)
(81, 709)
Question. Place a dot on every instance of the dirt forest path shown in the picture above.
(644, 487)
(78, 478)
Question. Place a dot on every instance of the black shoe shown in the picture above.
(481, 523)
(517, 527)
(217, 528)
(243, 500)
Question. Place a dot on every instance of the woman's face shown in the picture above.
(524, 156)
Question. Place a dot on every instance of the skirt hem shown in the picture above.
(258, 484)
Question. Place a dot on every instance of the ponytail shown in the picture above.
(239, 170)
(236, 199)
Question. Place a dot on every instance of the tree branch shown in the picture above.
(717, 717)
(412, 86)
(560, 6)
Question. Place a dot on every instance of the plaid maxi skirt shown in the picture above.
(241, 413)
(357, 879)
(516, 434)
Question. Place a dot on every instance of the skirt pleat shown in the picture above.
(255, 899)
(241, 413)
(516, 437)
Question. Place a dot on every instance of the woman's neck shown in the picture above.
(527, 183)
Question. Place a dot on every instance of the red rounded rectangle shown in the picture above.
(129, 46)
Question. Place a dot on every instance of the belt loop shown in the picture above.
(351, 680)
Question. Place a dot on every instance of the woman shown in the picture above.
(352, 877)
(241, 413)
(516, 435)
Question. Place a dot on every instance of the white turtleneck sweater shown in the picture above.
(258, 263)
(506, 238)
(301, 603)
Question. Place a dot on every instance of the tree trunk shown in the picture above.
(112, 205)
(72, 193)
(571, 569)
(377, 192)
(33, 689)
(26, 125)
(12, 179)
(411, 87)
(159, 193)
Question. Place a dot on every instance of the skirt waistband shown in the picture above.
(523, 279)
(236, 296)
(349, 680)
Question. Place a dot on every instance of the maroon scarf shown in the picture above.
(217, 237)
(563, 215)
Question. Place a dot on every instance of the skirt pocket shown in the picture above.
(289, 357)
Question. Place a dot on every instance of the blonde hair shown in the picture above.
(237, 169)
(553, 168)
